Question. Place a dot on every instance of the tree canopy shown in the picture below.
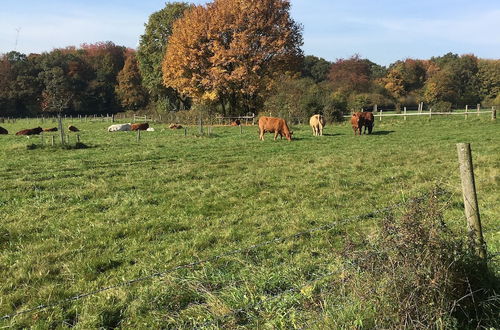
(230, 51)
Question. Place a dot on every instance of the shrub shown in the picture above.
(441, 106)
(417, 273)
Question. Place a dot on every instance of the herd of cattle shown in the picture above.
(278, 126)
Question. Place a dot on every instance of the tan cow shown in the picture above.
(278, 126)
(317, 123)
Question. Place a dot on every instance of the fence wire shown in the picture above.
(277, 240)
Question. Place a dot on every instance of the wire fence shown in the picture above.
(247, 249)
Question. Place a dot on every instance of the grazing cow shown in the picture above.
(139, 127)
(369, 121)
(317, 123)
(31, 131)
(73, 128)
(53, 129)
(3, 131)
(236, 123)
(357, 122)
(175, 126)
(274, 125)
(119, 127)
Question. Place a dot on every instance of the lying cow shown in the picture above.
(317, 123)
(53, 129)
(31, 131)
(72, 128)
(139, 127)
(369, 121)
(119, 127)
(175, 126)
(357, 122)
(3, 131)
(278, 126)
(237, 122)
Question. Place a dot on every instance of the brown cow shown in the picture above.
(31, 131)
(175, 126)
(357, 122)
(73, 128)
(317, 122)
(53, 129)
(369, 121)
(3, 131)
(236, 123)
(139, 127)
(274, 125)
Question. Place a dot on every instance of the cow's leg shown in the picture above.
(261, 135)
(275, 135)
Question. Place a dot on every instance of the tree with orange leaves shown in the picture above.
(230, 51)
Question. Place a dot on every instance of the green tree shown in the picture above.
(489, 77)
(152, 47)
(315, 68)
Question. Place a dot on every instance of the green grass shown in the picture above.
(74, 220)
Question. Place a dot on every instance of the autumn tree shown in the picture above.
(152, 47)
(230, 51)
(350, 75)
(405, 80)
(129, 90)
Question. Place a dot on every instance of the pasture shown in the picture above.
(73, 221)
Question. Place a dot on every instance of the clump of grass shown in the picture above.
(418, 273)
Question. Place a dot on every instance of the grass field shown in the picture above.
(73, 221)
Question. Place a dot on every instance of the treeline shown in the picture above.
(231, 60)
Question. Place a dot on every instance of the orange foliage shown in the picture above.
(231, 48)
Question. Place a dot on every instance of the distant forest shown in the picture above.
(105, 78)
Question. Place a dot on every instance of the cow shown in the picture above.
(139, 127)
(72, 128)
(236, 123)
(357, 122)
(31, 131)
(369, 121)
(150, 129)
(119, 127)
(175, 126)
(317, 123)
(53, 129)
(3, 131)
(278, 126)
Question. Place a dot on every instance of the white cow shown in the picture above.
(150, 129)
(119, 127)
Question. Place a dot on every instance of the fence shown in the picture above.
(420, 112)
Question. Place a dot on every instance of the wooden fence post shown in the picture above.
(241, 129)
(466, 111)
(52, 140)
(470, 198)
(405, 112)
(430, 113)
(138, 135)
(478, 109)
(61, 128)
(493, 113)
(380, 114)
(185, 131)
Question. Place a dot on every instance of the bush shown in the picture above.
(441, 106)
(417, 273)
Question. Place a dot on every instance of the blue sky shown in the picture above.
(381, 30)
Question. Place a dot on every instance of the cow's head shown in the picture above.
(289, 136)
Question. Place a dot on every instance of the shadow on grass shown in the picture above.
(382, 132)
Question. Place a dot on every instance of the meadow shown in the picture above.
(76, 220)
